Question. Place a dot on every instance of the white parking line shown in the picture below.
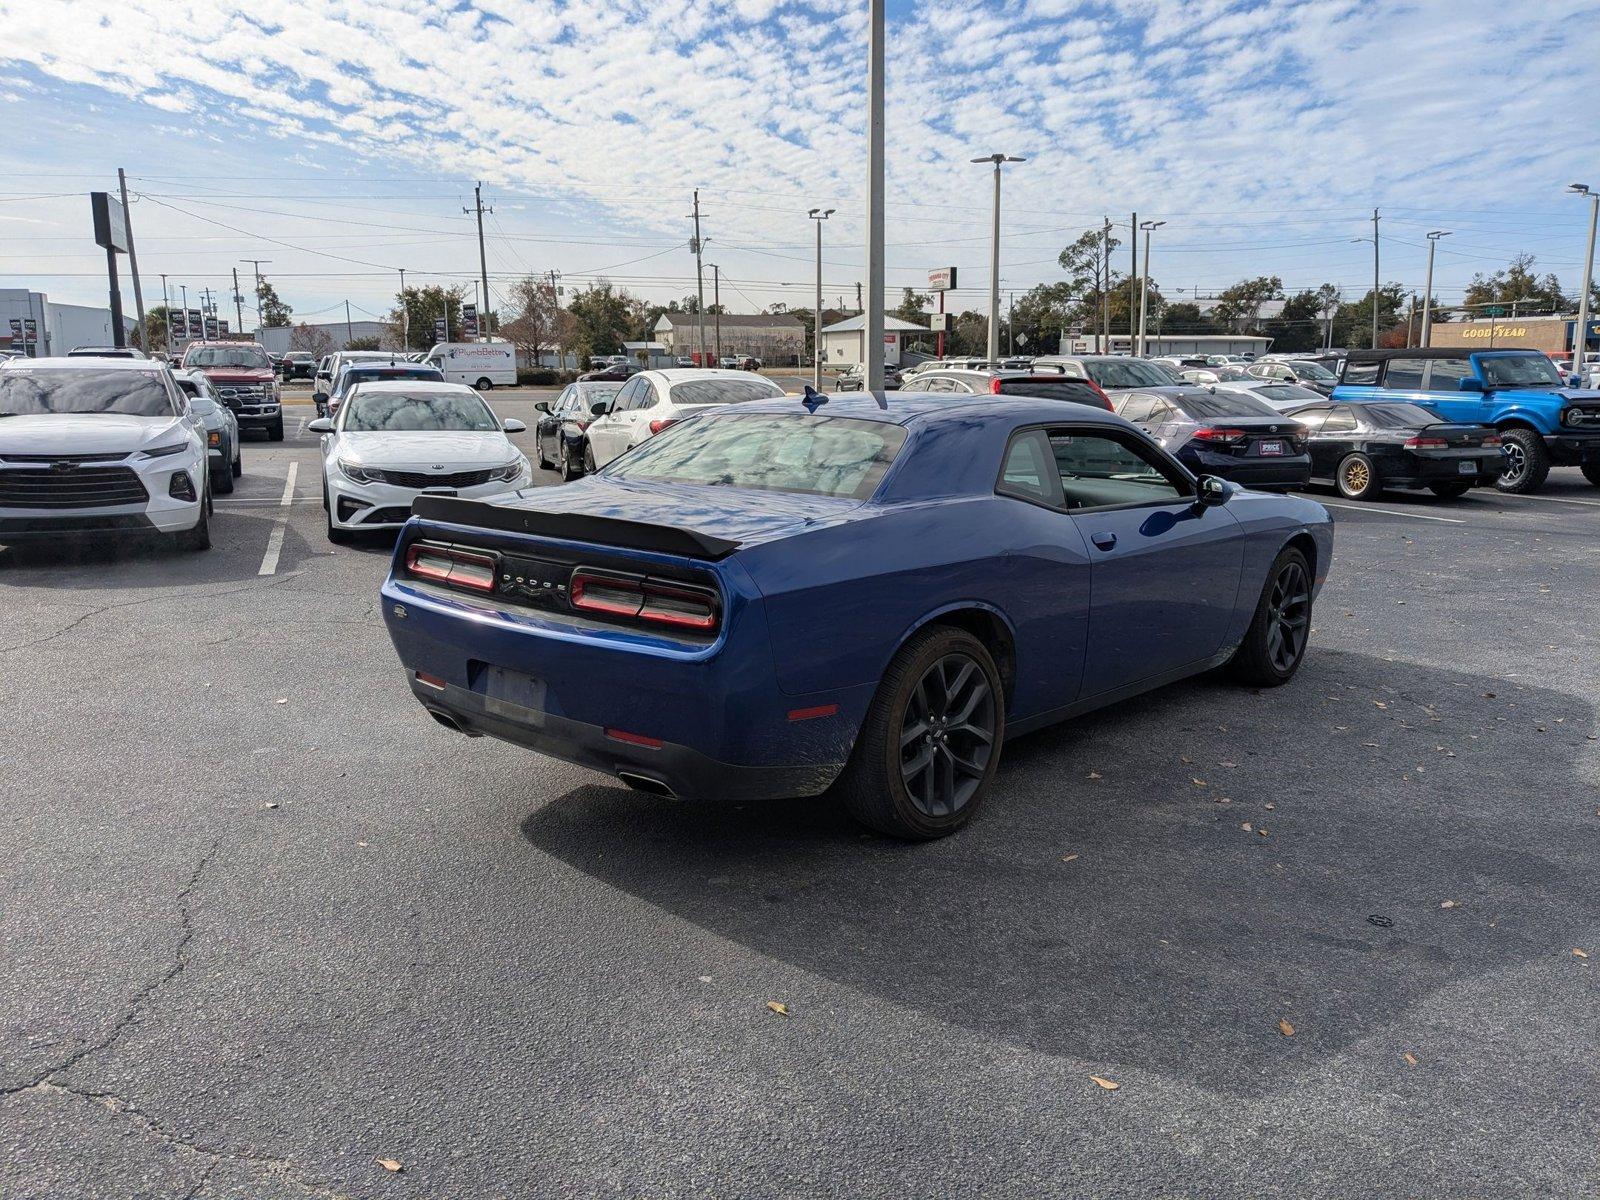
(1393, 512)
(1552, 499)
(301, 428)
(269, 561)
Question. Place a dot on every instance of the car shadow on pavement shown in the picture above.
(1160, 883)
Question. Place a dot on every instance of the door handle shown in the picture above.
(1104, 541)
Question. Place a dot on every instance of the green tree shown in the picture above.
(1239, 306)
(1519, 285)
(603, 318)
(1352, 323)
(274, 312)
(1299, 325)
(1185, 317)
(911, 306)
(155, 327)
(417, 308)
(365, 343)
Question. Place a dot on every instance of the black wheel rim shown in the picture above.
(1288, 616)
(947, 736)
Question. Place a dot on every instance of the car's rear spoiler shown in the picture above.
(578, 527)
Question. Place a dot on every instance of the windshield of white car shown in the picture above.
(1311, 370)
(244, 357)
(417, 412)
(814, 454)
(27, 392)
(724, 391)
(1519, 370)
(1132, 373)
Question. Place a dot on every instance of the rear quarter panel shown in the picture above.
(1269, 522)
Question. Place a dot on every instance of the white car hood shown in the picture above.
(425, 451)
(86, 433)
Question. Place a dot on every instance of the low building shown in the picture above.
(1157, 345)
(57, 327)
(777, 339)
(844, 343)
(1553, 335)
(652, 355)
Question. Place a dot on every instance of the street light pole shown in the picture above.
(819, 215)
(1144, 282)
(994, 256)
(1427, 296)
(1580, 334)
(405, 313)
(166, 308)
(1374, 279)
(873, 313)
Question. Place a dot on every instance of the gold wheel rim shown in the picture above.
(1355, 476)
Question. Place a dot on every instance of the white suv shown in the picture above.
(100, 446)
(652, 400)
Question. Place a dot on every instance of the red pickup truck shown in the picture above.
(243, 375)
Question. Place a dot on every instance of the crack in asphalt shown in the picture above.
(105, 608)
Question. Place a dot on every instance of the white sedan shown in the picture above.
(652, 400)
(395, 440)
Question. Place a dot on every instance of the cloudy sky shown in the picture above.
(340, 139)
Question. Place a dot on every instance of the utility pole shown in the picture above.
(716, 303)
(1133, 284)
(261, 318)
(349, 329)
(1426, 338)
(405, 313)
(1411, 316)
(483, 261)
(858, 297)
(208, 308)
(1144, 284)
(1105, 289)
(699, 279)
(166, 307)
(184, 288)
(133, 260)
(1580, 332)
(238, 304)
(1374, 279)
(993, 349)
(819, 215)
(873, 315)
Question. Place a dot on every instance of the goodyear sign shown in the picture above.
(1496, 331)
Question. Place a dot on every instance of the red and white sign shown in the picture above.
(942, 279)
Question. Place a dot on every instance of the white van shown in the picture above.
(480, 365)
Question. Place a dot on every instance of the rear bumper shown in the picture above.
(1420, 470)
(679, 770)
(1288, 471)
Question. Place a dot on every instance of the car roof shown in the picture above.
(908, 408)
(414, 385)
(671, 375)
(87, 362)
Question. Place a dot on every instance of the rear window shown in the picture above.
(1286, 392)
(724, 391)
(1053, 389)
(1132, 373)
(812, 453)
(1398, 416)
(1224, 404)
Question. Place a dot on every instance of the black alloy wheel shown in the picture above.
(947, 735)
(1289, 615)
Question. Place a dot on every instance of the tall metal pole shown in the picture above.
(1426, 337)
(1580, 332)
(483, 261)
(1105, 288)
(994, 255)
(1133, 283)
(819, 215)
(184, 288)
(875, 198)
(261, 318)
(133, 261)
(166, 307)
(238, 303)
(699, 279)
(1144, 282)
(1374, 279)
(349, 329)
(405, 313)
(716, 303)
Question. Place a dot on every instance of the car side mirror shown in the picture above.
(320, 425)
(319, 397)
(1470, 384)
(542, 406)
(512, 425)
(1211, 491)
(599, 408)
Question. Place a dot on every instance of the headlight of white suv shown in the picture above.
(511, 471)
(163, 451)
(355, 472)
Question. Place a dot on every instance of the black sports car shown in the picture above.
(1363, 448)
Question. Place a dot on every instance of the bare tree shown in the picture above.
(535, 327)
(308, 337)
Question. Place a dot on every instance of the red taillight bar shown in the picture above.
(643, 599)
(1426, 443)
(1491, 439)
(1222, 437)
(451, 567)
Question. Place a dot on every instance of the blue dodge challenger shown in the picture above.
(859, 593)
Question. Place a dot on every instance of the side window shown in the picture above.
(627, 396)
(1340, 420)
(1138, 408)
(935, 385)
(646, 396)
(1163, 411)
(1311, 418)
(1446, 374)
(961, 387)
(1360, 374)
(1100, 470)
(1405, 374)
(1029, 471)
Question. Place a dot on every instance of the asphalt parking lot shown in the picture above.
(265, 925)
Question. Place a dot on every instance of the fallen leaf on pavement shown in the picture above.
(1285, 1028)
(1068, 857)
(270, 804)
(1411, 1058)
(1246, 826)
(1094, 775)
(1576, 953)
(1380, 704)
(281, 700)
(781, 1009)
(1105, 1083)
(1448, 904)
(391, 1164)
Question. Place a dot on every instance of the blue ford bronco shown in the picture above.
(1543, 423)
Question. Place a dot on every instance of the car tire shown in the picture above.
(1275, 644)
(222, 481)
(1591, 472)
(199, 537)
(538, 443)
(275, 430)
(1527, 462)
(941, 676)
(1356, 477)
(238, 462)
(569, 470)
(484, 385)
(339, 537)
(588, 460)
(1453, 490)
